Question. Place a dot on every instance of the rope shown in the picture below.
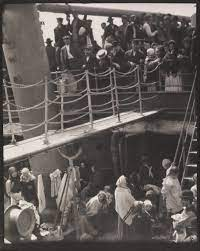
(101, 93)
(152, 70)
(98, 75)
(71, 120)
(148, 84)
(102, 110)
(104, 88)
(54, 117)
(70, 84)
(65, 71)
(130, 103)
(126, 87)
(103, 104)
(69, 102)
(29, 124)
(82, 109)
(126, 73)
(33, 128)
(122, 100)
(14, 85)
(22, 107)
(143, 99)
(25, 109)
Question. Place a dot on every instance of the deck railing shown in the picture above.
(124, 91)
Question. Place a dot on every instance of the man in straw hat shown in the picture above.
(51, 54)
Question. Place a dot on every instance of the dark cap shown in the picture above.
(110, 19)
(59, 19)
(67, 37)
(49, 40)
(115, 43)
(124, 17)
(171, 42)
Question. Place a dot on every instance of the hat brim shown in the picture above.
(101, 57)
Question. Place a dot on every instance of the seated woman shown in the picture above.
(96, 207)
(126, 207)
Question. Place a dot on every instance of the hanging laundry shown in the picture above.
(55, 182)
(67, 189)
(41, 194)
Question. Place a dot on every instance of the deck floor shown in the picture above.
(36, 145)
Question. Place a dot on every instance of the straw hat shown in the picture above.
(101, 54)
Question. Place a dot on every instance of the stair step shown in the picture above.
(193, 152)
(192, 165)
(188, 178)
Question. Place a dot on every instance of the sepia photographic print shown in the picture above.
(100, 122)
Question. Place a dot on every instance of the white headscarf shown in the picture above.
(124, 201)
(94, 206)
(26, 175)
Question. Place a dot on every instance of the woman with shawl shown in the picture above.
(13, 186)
(127, 207)
(27, 180)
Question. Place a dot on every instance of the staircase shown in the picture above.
(186, 152)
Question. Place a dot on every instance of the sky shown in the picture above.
(49, 19)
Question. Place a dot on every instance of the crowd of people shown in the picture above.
(151, 41)
(131, 209)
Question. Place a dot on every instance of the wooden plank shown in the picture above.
(31, 147)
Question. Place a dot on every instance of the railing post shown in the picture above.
(96, 80)
(112, 95)
(62, 106)
(116, 95)
(46, 111)
(89, 98)
(139, 89)
(13, 140)
(159, 79)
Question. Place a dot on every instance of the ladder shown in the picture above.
(191, 162)
(186, 154)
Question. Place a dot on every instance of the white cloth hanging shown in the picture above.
(41, 194)
(55, 182)
(65, 192)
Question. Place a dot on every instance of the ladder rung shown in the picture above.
(194, 140)
(188, 178)
(192, 165)
(193, 152)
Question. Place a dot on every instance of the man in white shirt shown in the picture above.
(67, 54)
